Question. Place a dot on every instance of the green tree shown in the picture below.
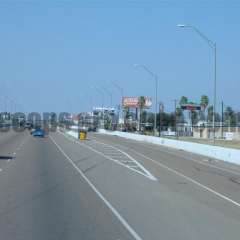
(229, 116)
(194, 117)
(144, 117)
(167, 120)
(210, 113)
(204, 102)
(179, 114)
(150, 118)
(183, 100)
(141, 102)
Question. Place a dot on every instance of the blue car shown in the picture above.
(38, 133)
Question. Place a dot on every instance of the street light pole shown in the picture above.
(120, 89)
(102, 94)
(156, 105)
(175, 116)
(155, 76)
(215, 90)
(213, 46)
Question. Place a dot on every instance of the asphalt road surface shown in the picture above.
(57, 188)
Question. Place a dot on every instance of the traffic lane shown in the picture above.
(159, 168)
(201, 159)
(221, 180)
(169, 208)
(44, 197)
(10, 142)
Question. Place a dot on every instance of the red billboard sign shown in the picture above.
(133, 102)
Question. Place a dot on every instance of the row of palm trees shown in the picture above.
(206, 112)
(200, 115)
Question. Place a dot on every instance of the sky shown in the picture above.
(53, 54)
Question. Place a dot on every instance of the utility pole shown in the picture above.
(213, 46)
(175, 108)
(121, 90)
(222, 121)
(155, 76)
(161, 110)
(236, 122)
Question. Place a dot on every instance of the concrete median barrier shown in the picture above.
(221, 153)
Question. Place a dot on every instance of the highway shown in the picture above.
(106, 187)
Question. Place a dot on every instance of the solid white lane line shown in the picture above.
(189, 179)
(144, 172)
(202, 161)
(108, 204)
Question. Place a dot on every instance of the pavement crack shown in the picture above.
(209, 171)
(93, 166)
(234, 180)
(82, 159)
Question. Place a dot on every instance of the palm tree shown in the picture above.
(141, 102)
(183, 100)
(204, 103)
(179, 114)
(230, 116)
(210, 113)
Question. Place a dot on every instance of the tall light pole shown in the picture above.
(155, 76)
(109, 116)
(175, 116)
(102, 94)
(213, 46)
(120, 89)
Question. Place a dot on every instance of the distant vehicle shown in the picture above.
(28, 125)
(4, 125)
(38, 133)
(32, 130)
(92, 129)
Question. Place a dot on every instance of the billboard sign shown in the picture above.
(190, 107)
(133, 102)
(147, 102)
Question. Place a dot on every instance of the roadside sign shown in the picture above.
(190, 107)
(133, 102)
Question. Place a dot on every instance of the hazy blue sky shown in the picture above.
(52, 52)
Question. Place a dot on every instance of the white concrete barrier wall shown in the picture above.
(73, 133)
(221, 153)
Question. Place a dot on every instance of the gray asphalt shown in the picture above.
(59, 188)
